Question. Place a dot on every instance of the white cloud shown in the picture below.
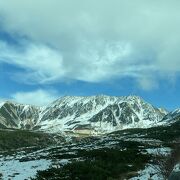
(93, 41)
(93, 62)
(42, 64)
(147, 83)
(38, 97)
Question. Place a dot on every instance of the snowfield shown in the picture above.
(16, 170)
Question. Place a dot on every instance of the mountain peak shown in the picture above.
(100, 96)
(1, 104)
(99, 113)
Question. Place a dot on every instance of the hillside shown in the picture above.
(125, 154)
(89, 115)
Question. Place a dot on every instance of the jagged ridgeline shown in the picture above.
(88, 115)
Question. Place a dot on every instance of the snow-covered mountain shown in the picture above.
(171, 117)
(13, 115)
(93, 114)
(99, 114)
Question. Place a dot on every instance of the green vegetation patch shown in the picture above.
(14, 139)
(98, 164)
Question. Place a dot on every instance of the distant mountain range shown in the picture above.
(93, 114)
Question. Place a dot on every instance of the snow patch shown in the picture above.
(16, 170)
(148, 173)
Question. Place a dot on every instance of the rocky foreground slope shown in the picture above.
(87, 115)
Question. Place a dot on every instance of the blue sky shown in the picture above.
(51, 49)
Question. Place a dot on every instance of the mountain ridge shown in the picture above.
(82, 114)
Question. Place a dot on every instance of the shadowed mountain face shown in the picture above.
(95, 114)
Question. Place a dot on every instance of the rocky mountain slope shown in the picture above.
(13, 115)
(88, 115)
(171, 117)
(97, 114)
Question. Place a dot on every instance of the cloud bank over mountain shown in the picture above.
(62, 41)
(38, 97)
(93, 41)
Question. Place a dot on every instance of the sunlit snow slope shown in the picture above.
(99, 114)
(93, 114)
